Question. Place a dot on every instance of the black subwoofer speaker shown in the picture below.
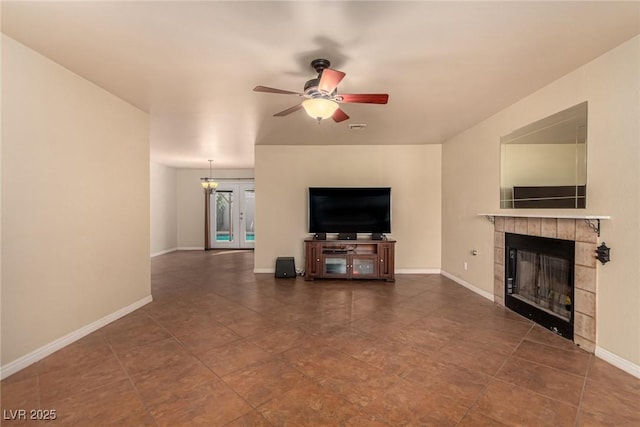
(285, 267)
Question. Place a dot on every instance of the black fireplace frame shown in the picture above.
(554, 247)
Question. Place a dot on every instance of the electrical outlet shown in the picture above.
(466, 267)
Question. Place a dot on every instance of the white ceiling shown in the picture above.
(192, 65)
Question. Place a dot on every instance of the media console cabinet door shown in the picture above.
(364, 266)
(313, 264)
(386, 267)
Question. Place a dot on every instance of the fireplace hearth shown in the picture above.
(539, 280)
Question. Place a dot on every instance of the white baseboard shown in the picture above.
(618, 361)
(188, 248)
(264, 270)
(468, 285)
(418, 271)
(44, 351)
(163, 252)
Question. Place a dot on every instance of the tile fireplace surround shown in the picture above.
(585, 275)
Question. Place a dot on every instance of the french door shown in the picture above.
(232, 215)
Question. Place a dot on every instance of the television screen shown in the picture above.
(349, 210)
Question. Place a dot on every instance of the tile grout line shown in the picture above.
(550, 367)
(559, 346)
(584, 387)
(137, 392)
(39, 399)
(189, 352)
(316, 382)
(541, 364)
(196, 357)
(482, 392)
(538, 393)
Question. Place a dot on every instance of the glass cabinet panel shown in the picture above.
(335, 265)
(364, 266)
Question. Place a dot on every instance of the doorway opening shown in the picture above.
(232, 216)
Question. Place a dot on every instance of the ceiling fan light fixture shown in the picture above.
(319, 108)
(321, 99)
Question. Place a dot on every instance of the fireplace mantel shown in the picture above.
(537, 215)
(587, 218)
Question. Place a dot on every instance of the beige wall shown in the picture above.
(75, 202)
(191, 203)
(164, 211)
(283, 174)
(471, 161)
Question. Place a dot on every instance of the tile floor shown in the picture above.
(220, 345)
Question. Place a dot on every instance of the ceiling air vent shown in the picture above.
(355, 126)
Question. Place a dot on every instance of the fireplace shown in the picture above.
(539, 280)
(585, 279)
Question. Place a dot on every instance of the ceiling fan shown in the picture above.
(322, 96)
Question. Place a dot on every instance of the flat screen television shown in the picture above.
(349, 210)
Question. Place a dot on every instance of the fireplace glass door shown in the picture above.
(539, 275)
(544, 281)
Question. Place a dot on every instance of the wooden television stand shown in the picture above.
(349, 259)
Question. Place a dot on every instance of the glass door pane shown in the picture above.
(224, 216)
(247, 217)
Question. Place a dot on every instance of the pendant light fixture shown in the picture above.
(209, 184)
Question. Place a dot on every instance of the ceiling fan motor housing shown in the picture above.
(320, 64)
(311, 88)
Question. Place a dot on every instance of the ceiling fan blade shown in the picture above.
(272, 90)
(366, 98)
(339, 116)
(288, 111)
(330, 79)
